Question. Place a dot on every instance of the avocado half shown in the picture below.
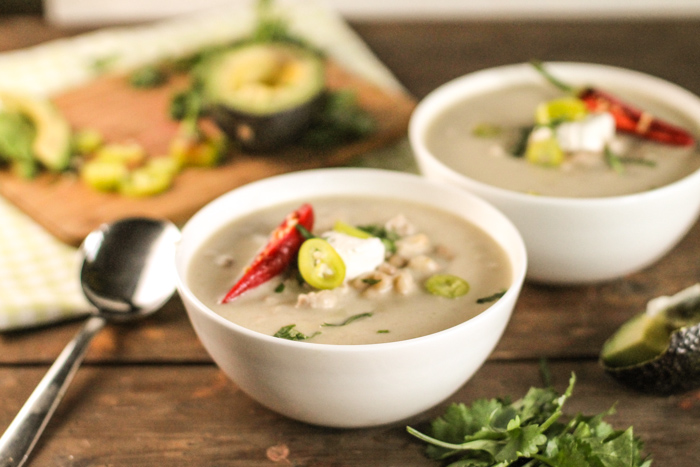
(52, 142)
(658, 351)
(263, 95)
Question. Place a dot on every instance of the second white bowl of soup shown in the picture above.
(385, 342)
(589, 216)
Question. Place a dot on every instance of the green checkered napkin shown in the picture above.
(39, 281)
(38, 274)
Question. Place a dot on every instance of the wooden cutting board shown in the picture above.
(69, 210)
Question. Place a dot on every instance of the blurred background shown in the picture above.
(95, 12)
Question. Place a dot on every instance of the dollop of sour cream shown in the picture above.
(590, 134)
(360, 255)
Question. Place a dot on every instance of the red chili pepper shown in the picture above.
(277, 255)
(634, 121)
(628, 119)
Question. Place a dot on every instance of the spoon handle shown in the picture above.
(24, 431)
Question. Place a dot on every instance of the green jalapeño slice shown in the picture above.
(320, 265)
(447, 285)
(566, 109)
(348, 229)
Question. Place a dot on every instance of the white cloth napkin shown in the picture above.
(39, 276)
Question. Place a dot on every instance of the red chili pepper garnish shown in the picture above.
(634, 121)
(279, 252)
(628, 119)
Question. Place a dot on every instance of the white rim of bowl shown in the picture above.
(497, 77)
(518, 274)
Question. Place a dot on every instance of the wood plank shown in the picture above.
(166, 336)
(192, 415)
(425, 54)
(21, 31)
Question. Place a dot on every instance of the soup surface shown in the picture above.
(381, 306)
(451, 138)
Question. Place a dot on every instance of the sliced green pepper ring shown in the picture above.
(320, 265)
(546, 152)
(447, 285)
(564, 109)
(347, 229)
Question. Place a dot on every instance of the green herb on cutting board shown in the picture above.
(529, 432)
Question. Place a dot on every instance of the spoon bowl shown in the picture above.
(127, 273)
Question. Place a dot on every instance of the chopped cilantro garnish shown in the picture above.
(339, 120)
(383, 331)
(149, 76)
(613, 160)
(370, 281)
(279, 288)
(304, 231)
(528, 432)
(486, 130)
(617, 162)
(387, 237)
(288, 332)
(104, 64)
(186, 104)
(520, 146)
(491, 298)
(349, 320)
(637, 161)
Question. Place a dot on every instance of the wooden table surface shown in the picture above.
(150, 395)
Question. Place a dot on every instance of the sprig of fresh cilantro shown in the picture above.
(529, 433)
(288, 332)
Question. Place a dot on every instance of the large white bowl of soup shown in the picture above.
(611, 206)
(391, 338)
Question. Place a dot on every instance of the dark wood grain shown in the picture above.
(425, 54)
(149, 394)
(19, 32)
(184, 416)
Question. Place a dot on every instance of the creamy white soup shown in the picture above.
(391, 302)
(453, 140)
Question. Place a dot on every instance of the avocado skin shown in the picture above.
(267, 125)
(264, 133)
(675, 371)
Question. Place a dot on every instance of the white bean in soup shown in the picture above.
(452, 139)
(389, 303)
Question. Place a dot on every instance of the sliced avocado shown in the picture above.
(151, 179)
(104, 175)
(263, 95)
(52, 141)
(16, 138)
(658, 351)
(640, 339)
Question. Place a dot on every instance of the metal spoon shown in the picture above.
(127, 273)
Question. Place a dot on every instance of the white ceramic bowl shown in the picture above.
(349, 385)
(575, 240)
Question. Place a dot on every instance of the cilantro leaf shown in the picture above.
(288, 332)
(387, 237)
(350, 319)
(529, 432)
